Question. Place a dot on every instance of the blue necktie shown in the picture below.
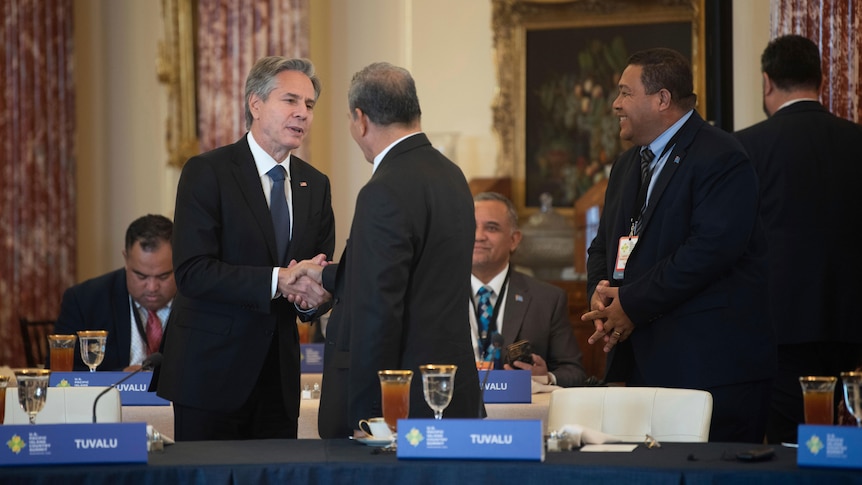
(486, 310)
(280, 212)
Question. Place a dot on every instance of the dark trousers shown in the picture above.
(263, 415)
(786, 410)
(739, 412)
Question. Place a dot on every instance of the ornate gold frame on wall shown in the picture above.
(175, 67)
(511, 19)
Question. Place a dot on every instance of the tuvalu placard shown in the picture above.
(471, 439)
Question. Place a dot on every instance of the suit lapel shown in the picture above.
(517, 301)
(122, 314)
(245, 173)
(301, 202)
(676, 156)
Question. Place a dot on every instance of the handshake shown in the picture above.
(302, 283)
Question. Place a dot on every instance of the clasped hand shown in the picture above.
(302, 282)
(610, 320)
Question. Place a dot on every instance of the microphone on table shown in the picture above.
(150, 363)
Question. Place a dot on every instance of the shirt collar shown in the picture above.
(382, 154)
(496, 282)
(263, 161)
(658, 145)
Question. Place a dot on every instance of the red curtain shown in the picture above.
(232, 35)
(836, 27)
(37, 198)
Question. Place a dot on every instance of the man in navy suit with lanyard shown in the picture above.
(677, 273)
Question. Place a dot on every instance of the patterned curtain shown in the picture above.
(37, 198)
(232, 35)
(835, 26)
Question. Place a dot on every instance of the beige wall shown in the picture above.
(122, 172)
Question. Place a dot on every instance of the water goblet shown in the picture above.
(92, 347)
(395, 394)
(32, 390)
(852, 382)
(438, 382)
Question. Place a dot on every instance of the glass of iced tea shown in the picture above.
(395, 393)
(4, 381)
(62, 348)
(818, 394)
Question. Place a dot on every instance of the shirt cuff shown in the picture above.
(274, 287)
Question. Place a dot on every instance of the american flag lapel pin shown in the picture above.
(519, 297)
(303, 184)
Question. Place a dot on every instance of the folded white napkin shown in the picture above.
(537, 388)
(578, 435)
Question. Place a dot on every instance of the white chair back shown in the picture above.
(68, 405)
(630, 413)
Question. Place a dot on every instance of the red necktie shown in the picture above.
(154, 332)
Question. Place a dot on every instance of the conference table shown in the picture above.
(345, 461)
(162, 417)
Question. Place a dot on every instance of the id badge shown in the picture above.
(624, 250)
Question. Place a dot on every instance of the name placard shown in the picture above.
(830, 446)
(509, 386)
(471, 439)
(311, 358)
(133, 392)
(55, 444)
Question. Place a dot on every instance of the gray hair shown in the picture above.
(261, 78)
(510, 207)
(385, 93)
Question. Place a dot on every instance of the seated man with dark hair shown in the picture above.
(131, 303)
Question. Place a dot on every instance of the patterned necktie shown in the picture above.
(486, 310)
(646, 159)
(279, 211)
(154, 332)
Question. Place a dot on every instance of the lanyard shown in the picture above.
(141, 331)
(640, 202)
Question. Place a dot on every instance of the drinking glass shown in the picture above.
(438, 382)
(853, 395)
(395, 393)
(62, 349)
(93, 347)
(4, 381)
(818, 394)
(32, 390)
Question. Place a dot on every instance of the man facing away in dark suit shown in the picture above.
(243, 212)
(399, 288)
(131, 303)
(530, 309)
(808, 162)
(677, 270)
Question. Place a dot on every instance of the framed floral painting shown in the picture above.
(558, 65)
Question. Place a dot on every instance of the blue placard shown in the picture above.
(471, 439)
(509, 386)
(830, 446)
(311, 356)
(133, 392)
(54, 444)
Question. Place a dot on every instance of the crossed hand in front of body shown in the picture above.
(302, 282)
(610, 320)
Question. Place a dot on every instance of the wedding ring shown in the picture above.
(617, 334)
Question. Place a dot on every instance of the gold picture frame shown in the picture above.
(175, 67)
(573, 21)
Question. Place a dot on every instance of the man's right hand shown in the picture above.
(301, 283)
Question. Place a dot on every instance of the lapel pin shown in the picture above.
(519, 298)
(303, 184)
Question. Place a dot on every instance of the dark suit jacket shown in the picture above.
(223, 318)
(810, 164)
(695, 284)
(101, 303)
(399, 289)
(539, 312)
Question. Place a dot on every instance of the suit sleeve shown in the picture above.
(564, 355)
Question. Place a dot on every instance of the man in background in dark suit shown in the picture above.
(399, 288)
(131, 303)
(677, 270)
(533, 310)
(243, 212)
(808, 162)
